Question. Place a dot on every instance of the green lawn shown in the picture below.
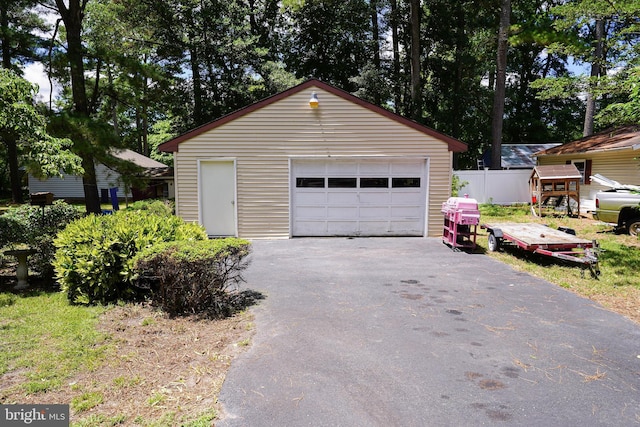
(617, 287)
(46, 339)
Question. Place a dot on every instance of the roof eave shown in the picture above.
(600, 150)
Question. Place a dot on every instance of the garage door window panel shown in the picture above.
(310, 182)
(374, 182)
(343, 182)
(406, 183)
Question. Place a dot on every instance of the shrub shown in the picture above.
(37, 228)
(157, 207)
(12, 229)
(94, 259)
(194, 277)
(457, 185)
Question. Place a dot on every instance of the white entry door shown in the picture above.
(217, 187)
(358, 197)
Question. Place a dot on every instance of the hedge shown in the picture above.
(193, 277)
(94, 257)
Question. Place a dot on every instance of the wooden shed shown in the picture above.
(557, 184)
(313, 161)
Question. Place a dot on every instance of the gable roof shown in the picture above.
(556, 171)
(151, 168)
(137, 158)
(623, 138)
(172, 145)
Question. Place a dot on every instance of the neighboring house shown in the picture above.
(159, 178)
(516, 156)
(612, 153)
(332, 165)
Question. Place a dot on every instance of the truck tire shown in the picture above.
(633, 226)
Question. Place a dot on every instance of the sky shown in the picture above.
(35, 73)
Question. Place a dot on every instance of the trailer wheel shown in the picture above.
(633, 227)
(493, 242)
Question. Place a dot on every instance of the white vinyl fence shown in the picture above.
(502, 187)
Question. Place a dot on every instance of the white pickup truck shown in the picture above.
(620, 205)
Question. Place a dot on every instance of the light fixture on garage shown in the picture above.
(313, 102)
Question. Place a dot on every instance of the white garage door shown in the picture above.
(339, 197)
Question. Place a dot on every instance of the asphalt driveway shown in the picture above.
(407, 332)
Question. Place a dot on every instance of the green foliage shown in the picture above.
(504, 213)
(36, 228)
(560, 87)
(93, 262)
(22, 123)
(11, 229)
(156, 207)
(627, 109)
(456, 185)
(160, 132)
(194, 277)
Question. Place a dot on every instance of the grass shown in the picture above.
(618, 285)
(86, 401)
(45, 343)
(47, 340)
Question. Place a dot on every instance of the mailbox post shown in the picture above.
(41, 199)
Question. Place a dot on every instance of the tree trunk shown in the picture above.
(501, 82)
(198, 104)
(596, 72)
(416, 95)
(457, 103)
(10, 140)
(114, 107)
(72, 17)
(397, 94)
(14, 168)
(145, 114)
(375, 43)
(6, 42)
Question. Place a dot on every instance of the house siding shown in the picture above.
(619, 165)
(71, 187)
(263, 141)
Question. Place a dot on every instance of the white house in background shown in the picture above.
(69, 187)
(313, 161)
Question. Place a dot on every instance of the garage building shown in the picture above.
(313, 161)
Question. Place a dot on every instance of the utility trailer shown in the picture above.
(540, 239)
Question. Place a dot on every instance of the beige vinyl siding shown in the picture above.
(263, 141)
(619, 165)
